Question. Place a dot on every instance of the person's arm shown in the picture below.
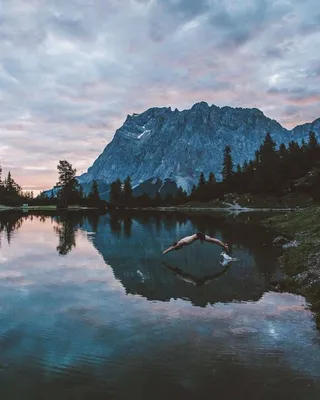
(169, 249)
(216, 241)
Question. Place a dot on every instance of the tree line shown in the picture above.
(11, 192)
(276, 172)
(289, 169)
(121, 195)
(66, 192)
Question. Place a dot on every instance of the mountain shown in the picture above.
(161, 143)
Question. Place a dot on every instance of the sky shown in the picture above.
(72, 70)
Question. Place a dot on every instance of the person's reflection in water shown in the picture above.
(189, 278)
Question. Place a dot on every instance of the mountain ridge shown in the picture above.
(165, 143)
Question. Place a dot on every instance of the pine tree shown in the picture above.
(10, 186)
(193, 194)
(181, 196)
(127, 192)
(201, 188)
(227, 168)
(211, 179)
(94, 196)
(67, 181)
(283, 152)
(313, 142)
(66, 174)
(283, 174)
(157, 201)
(312, 150)
(81, 194)
(304, 146)
(297, 164)
(1, 185)
(210, 189)
(249, 179)
(116, 192)
(267, 166)
(202, 180)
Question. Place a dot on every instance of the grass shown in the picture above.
(288, 201)
(302, 263)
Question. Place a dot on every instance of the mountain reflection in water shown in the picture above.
(91, 309)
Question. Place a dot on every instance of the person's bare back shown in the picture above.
(190, 239)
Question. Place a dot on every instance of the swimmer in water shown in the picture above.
(197, 236)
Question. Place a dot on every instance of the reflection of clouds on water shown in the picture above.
(3, 259)
(84, 311)
(290, 326)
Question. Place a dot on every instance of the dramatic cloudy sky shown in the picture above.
(71, 70)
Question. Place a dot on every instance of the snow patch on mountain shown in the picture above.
(185, 183)
(141, 134)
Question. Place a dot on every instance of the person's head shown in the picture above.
(201, 236)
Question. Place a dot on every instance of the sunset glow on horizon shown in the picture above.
(71, 71)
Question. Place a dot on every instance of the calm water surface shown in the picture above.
(90, 309)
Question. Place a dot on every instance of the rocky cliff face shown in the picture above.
(161, 143)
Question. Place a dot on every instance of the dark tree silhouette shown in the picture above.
(10, 222)
(10, 186)
(202, 180)
(127, 192)
(67, 182)
(313, 150)
(211, 179)
(268, 161)
(67, 225)
(94, 196)
(227, 167)
(1, 185)
(116, 193)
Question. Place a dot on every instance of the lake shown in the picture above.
(91, 309)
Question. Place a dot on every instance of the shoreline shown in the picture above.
(215, 209)
(44, 208)
(300, 259)
(232, 208)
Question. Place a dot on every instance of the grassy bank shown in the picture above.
(301, 257)
(233, 201)
(255, 201)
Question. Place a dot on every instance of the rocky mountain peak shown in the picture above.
(161, 143)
